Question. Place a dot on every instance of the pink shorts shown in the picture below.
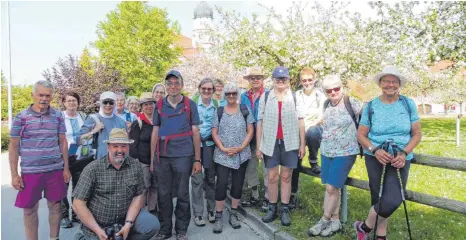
(51, 183)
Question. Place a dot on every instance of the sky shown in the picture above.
(44, 31)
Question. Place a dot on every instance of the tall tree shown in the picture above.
(21, 96)
(138, 41)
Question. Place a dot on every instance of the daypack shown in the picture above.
(403, 100)
(242, 107)
(350, 110)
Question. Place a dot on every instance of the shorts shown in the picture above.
(51, 183)
(335, 170)
(281, 157)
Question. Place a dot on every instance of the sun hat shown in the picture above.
(108, 95)
(118, 135)
(254, 71)
(390, 70)
(281, 72)
(146, 97)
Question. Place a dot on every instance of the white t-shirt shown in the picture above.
(310, 106)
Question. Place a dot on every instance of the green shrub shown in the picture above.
(5, 138)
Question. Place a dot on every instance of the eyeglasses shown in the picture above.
(281, 79)
(207, 89)
(254, 78)
(388, 82)
(232, 94)
(337, 89)
(108, 102)
(72, 101)
(307, 80)
(159, 92)
(173, 84)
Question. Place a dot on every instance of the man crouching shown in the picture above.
(110, 192)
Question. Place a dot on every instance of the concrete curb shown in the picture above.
(271, 231)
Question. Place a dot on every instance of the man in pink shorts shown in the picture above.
(38, 136)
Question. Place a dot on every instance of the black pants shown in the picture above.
(391, 195)
(76, 167)
(237, 179)
(173, 171)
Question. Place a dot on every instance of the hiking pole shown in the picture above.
(382, 180)
(395, 148)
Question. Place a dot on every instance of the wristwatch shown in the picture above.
(199, 161)
(130, 222)
(370, 148)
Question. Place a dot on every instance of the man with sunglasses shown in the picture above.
(175, 154)
(251, 98)
(310, 100)
(98, 126)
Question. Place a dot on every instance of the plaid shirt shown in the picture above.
(108, 191)
(269, 117)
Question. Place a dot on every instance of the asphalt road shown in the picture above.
(13, 227)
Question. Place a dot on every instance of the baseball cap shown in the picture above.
(108, 95)
(281, 72)
(174, 73)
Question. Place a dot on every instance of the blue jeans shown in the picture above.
(145, 227)
(313, 139)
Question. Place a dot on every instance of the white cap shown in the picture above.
(108, 95)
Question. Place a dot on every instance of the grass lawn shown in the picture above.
(426, 222)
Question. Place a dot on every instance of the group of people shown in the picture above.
(132, 157)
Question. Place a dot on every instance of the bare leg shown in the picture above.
(219, 205)
(272, 174)
(31, 222)
(54, 218)
(285, 178)
(234, 203)
(382, 223)
(332, 196)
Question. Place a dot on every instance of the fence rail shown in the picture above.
(423, 198)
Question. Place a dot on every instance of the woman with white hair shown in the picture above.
(232, 130)
(339, 149)
(392, 117)
(132, 104)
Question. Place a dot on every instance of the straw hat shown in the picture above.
(118, 135)
(390, 70)
(254, 71)
(146, 97)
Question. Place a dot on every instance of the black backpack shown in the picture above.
(349, 108)
(244, 111)
(403, 100)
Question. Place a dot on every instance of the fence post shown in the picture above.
(344, 204)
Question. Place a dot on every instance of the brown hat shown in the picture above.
(254, 71)
(146, 97)
(118, 135)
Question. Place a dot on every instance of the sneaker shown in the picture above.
(285, 216)
(234, 220)
(218, 225)
(66, 223)
(333, 227)
(199, 221)
(319, 227)
(265, 205)
(161, 236)
(181, 236)
(211, 217)
(361, 234)
(315, 168)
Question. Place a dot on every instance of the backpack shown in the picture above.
(267, 96)
(403, 99)
(350, 110)
(242, 107)
(95, 137)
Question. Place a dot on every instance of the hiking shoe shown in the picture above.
(319, 227)
(315, 168)
(361, 234)
(211, 217)
(218, 225)
(234, 220)
(181, 236)
(199, 221)
(285, 216)
(265, 206)
(161, 236)
(332, 228)
(271, 214)
(294, 201)
(66, 223)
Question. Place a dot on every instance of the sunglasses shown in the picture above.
(109, 102)
(281, 79)
(232, 94)
(337, 89)
(254, 78)
(307, 80)
(207, 89)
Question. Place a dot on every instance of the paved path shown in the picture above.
(13, 227)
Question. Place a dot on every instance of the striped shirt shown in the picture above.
(39, 144)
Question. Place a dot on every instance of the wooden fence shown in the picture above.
(426, 199)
